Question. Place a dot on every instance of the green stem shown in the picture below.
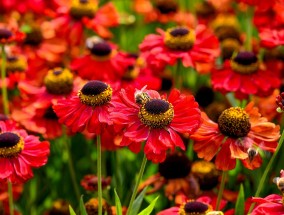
(249, 24)
(3, 78)
(11, 201)
(266, 171)
(71, 166)
(178, 75)
(142, 168)
(99, 174)
(221, 190)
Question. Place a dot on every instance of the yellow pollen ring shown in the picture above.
(96, 100)
(179, 42)
(10, 152)
(244, 69)
(59, 83)
(18, 65)
(202, 167)
(156, 120)
(79, 9)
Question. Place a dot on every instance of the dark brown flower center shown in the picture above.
(50, 114)
(245, 62)
(101, 49)
(94, 88)
(5, 33)
(11, 145)
(179, 38)
(95, 93)
(204, 96)
(179, 32)
(245, 58)
(8, 139)
(225, 32)
(167, 6)
(156, 113)
(59, 81)
(157, 106)
(194, 208)
(206, 173)
(34, 37)
(205, 10)
(175, 166)
(234, 122)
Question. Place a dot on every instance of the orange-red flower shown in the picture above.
(239, 134)
(144, 115)
(191, 46)
(244, 75)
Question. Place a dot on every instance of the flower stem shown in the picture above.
(268, 167)
(71, 166)
(3, 79)
(249, 16)
(142, 168)
(99, 173)
(11, 201)
(221, 190)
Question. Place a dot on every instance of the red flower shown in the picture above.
(244, 76)
(202, 205)
(272, 205)
(238, 134)
(20, 152)
(88, 109)
(102, 56)
(260, 4)
(188, 45)
(146, 116)
(271, 38)
(73, 15)
(10, 34)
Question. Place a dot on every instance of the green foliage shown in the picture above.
(117, 204)
(240, 205)
(149, 209)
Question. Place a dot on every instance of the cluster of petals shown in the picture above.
(124, 114)
(261, 82)
(18, 169)
(209, 141)
(204, 50)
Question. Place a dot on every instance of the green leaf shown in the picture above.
(149, 209)
(82, 207)
(240, 204)
(137, 202)
(117, 204)
(72, 212)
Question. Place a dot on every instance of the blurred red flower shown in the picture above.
(244, 76)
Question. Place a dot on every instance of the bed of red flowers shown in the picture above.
(141, 107)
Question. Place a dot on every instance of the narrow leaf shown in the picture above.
(240, 204)
(117, 204)
(149, 209)
(72, 212)
(137, 202)
(82, 207)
